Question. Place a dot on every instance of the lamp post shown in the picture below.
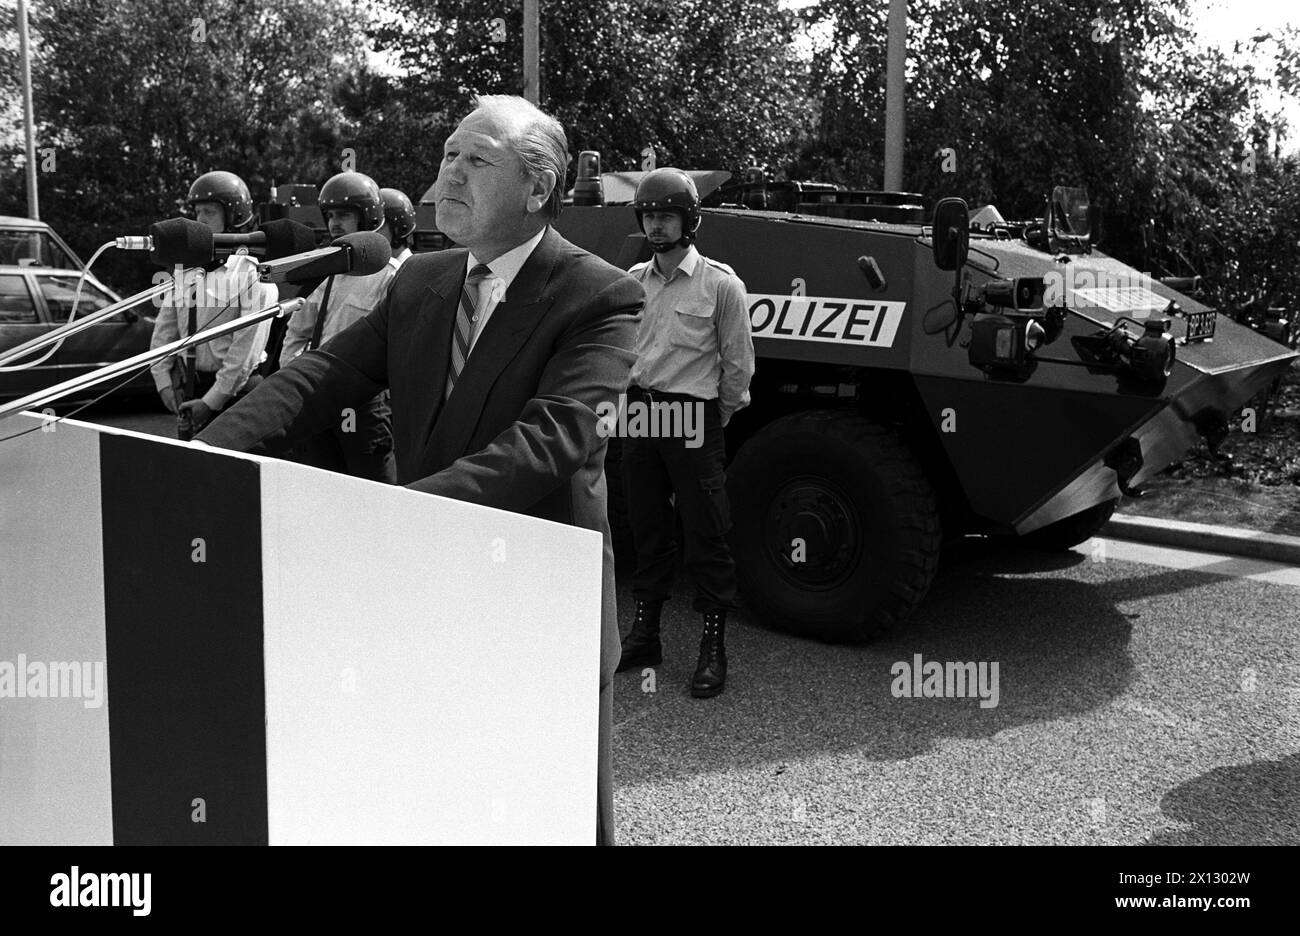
(29, 117)
(895, 85)
(531, 64)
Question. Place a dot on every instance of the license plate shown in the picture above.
(1200, 326)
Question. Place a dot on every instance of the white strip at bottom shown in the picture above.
(1217, 564)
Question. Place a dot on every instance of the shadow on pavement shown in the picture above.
(1247, 804)
(1061, 647)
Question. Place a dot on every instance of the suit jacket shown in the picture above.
(520, 430)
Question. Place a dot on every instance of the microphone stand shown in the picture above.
(118, 368)
(81, 324)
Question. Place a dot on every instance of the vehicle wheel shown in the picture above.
(864, 510)
(1071, 531)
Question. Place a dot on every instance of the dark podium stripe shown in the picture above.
(186, 697)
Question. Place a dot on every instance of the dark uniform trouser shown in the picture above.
(653, 470)
(364, 452)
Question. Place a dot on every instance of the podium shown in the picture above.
(291, 656)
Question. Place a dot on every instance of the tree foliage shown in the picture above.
(1005, 99)
(136, 99)
(703, 83)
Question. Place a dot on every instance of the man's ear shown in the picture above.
(543, 185)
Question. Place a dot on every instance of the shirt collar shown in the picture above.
(687, 266)
(507, 266)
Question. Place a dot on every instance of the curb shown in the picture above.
(1202, 537)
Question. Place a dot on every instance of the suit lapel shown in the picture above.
(431, 345)
(506, 331)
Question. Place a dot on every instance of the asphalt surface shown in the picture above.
(1138, 703)
(1145, 695)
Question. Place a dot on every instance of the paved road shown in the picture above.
(1139, 702)
(1145, 695)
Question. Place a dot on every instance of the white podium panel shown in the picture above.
(294, 656)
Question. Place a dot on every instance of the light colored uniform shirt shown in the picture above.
(229, 292)
(492, 289)
(351, 298)
(694, 336)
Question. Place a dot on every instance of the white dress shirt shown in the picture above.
(492, 289)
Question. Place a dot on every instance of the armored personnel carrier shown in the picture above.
(921, 378)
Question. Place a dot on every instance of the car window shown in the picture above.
(59, 292)
(16, 306)
(33, 248)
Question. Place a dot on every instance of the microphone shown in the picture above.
(360, 254)
(183, 242)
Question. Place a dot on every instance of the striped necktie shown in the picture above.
(464, 333)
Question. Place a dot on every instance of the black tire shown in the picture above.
(1071, 531)
(869, 519)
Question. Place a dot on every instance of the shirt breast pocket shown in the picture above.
(694, 321)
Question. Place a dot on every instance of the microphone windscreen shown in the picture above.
(370, 252)
(284, 238)
(181, 242)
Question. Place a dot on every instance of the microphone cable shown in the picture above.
(189, 342)
(72, 315)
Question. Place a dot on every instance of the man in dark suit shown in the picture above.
(496, 357)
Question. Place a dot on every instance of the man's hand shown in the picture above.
(169, 399)
(198, 413)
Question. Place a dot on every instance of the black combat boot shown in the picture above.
(711, 671)
(641, 646)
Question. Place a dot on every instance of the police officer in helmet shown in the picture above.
(400, 215)
(693, 349)
(210, 376)
(361, 442)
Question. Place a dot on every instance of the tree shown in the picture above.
(136, 99)
(1008, 98)
(704, 84)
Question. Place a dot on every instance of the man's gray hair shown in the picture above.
(540, 143)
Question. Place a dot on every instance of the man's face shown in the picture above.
(343, 221)
(662, 227)
(483, 198)
(212, 214)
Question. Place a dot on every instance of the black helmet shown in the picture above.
(356, 191)
(669, 190)
(229, 191)
(399, 212)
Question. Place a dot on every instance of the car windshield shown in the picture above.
(60, 291)
(34, 248)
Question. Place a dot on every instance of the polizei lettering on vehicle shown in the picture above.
(819, 318)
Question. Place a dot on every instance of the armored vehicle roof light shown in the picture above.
(587, 188)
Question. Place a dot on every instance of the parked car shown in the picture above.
(38, 281)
